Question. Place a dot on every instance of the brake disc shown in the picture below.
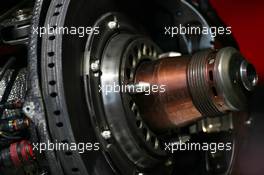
(73, 67)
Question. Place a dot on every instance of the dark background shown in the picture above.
(247, 21)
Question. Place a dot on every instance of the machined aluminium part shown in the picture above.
(207, 84)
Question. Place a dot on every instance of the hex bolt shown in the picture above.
(113, 24)
(106, 134)
(28, 109)
(95, 66)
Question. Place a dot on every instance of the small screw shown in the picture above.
(29, 109)
(248, 122)
(112, 24)
(168, 163)
(95, 66)
(106, 134)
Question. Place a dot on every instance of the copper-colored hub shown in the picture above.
(204, 84)
(174, 106)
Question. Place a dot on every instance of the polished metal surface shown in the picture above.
(248, 75)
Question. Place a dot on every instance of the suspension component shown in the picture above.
(17, 154)
(209, 83)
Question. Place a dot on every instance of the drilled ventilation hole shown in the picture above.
(52, 37)
(51, 65)
(64, 141)
(148, 51)
(139, 123)
(59, 124)
(53, 94)
(128, 73)
(51, 54)
(57, 112)
(58, 5)
(130, 60)
(136, 52)
(52, 82)
(75, 169)
(54, 27)
(142, 47)
(56, 13)
(214, 91)
(152, 50)
(68, 153)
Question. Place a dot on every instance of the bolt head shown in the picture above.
(106, 134)
(95, 66)
(112, 24)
